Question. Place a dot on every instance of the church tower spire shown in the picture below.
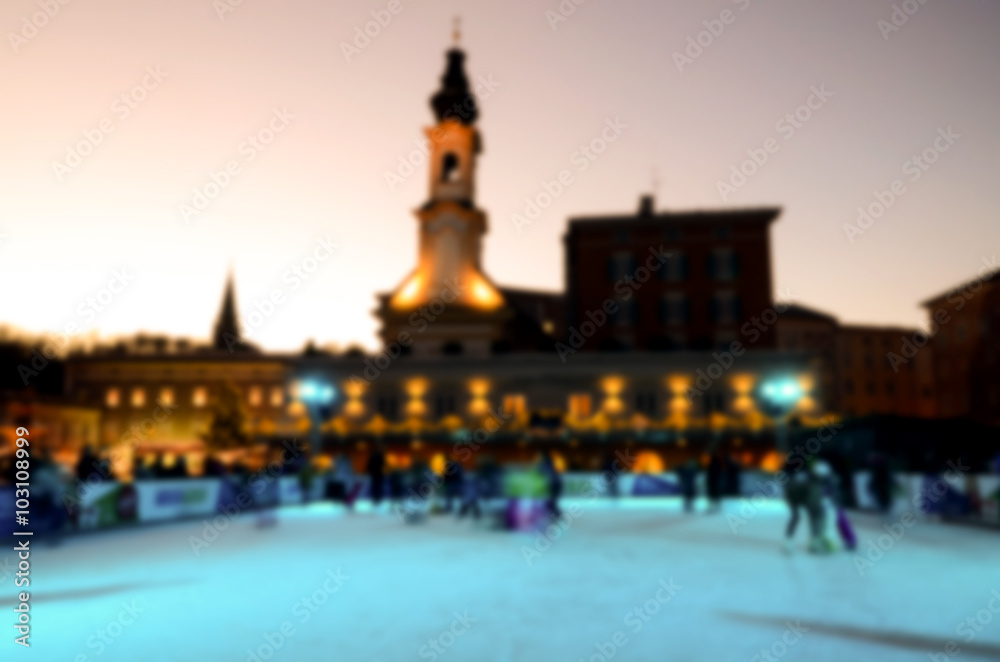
(451, 227)
(226, 334)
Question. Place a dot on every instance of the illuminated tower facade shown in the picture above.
(447, 305)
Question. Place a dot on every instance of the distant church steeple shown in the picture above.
(227, 326)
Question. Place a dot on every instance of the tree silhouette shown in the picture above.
(229, 421)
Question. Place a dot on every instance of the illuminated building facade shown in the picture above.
(466, 360)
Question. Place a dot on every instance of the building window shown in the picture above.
(387, 406)
(849, 387)
(722, 264)
(675, 268)
(449, 168)
(514, 404)
(167, 396)
(444, 405)
(112, 398)
(890, 388)
(620, 265)
(580, 405)
(869, 362)
(138, 397)
(870, 387)
(627, 313)
(256, 396)
(725, 308)
(277, 396)
(645, 403)
(675, 309)
(199, 397)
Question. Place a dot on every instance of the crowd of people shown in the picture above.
(812, 487)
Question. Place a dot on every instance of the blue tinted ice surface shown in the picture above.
(411, 591)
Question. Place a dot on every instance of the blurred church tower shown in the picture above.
(447, 305)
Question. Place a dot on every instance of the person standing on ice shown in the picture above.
(715, 479)
(554, 482)
(688, 477)
(376, 472)
(804, 491)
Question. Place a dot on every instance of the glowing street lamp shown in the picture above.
(317, 396)
(779, 398)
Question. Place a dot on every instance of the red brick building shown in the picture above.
(965, 325)
(672, 281)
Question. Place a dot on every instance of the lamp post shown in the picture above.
(317, 396)
(778, 398)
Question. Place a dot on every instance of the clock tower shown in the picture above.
(447, 305)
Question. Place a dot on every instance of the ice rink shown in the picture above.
(636, 581)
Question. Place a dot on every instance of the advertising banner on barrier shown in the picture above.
(989, 495)
(172, 499)
(290, 490)
(107, 504)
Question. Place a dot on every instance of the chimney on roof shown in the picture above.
(646, 205)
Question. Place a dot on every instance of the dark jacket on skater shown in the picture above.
(715, 478)
(687, 475)
(376, 471)
(554, 481)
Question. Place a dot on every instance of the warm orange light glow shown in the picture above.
(742, 384)
(112, 398)
(773, 461)
(439, 463)
(398, 460)
(199, 398)
(514, 404)
(613, 385)
(678, 384)
(417, 387)
(613, 405)
(479, 386)
(579, 405)
(167, 396)
(648, 462)
(679, 404)
(138, 397)
(354, 408)
(354, 389)
(479, 406)
(484, 295)
(416, 408)
(717, 420)
(806, 382)
(408, 293)
(743, 404)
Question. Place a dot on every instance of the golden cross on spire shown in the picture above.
(456, 33)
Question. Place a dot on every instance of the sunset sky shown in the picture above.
(341, 123)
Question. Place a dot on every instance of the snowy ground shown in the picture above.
(446, 590)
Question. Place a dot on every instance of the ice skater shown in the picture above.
(803, 491)
(453, 479)
(687, 474)
(376, 473)
(715, 479)
(554, 484)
